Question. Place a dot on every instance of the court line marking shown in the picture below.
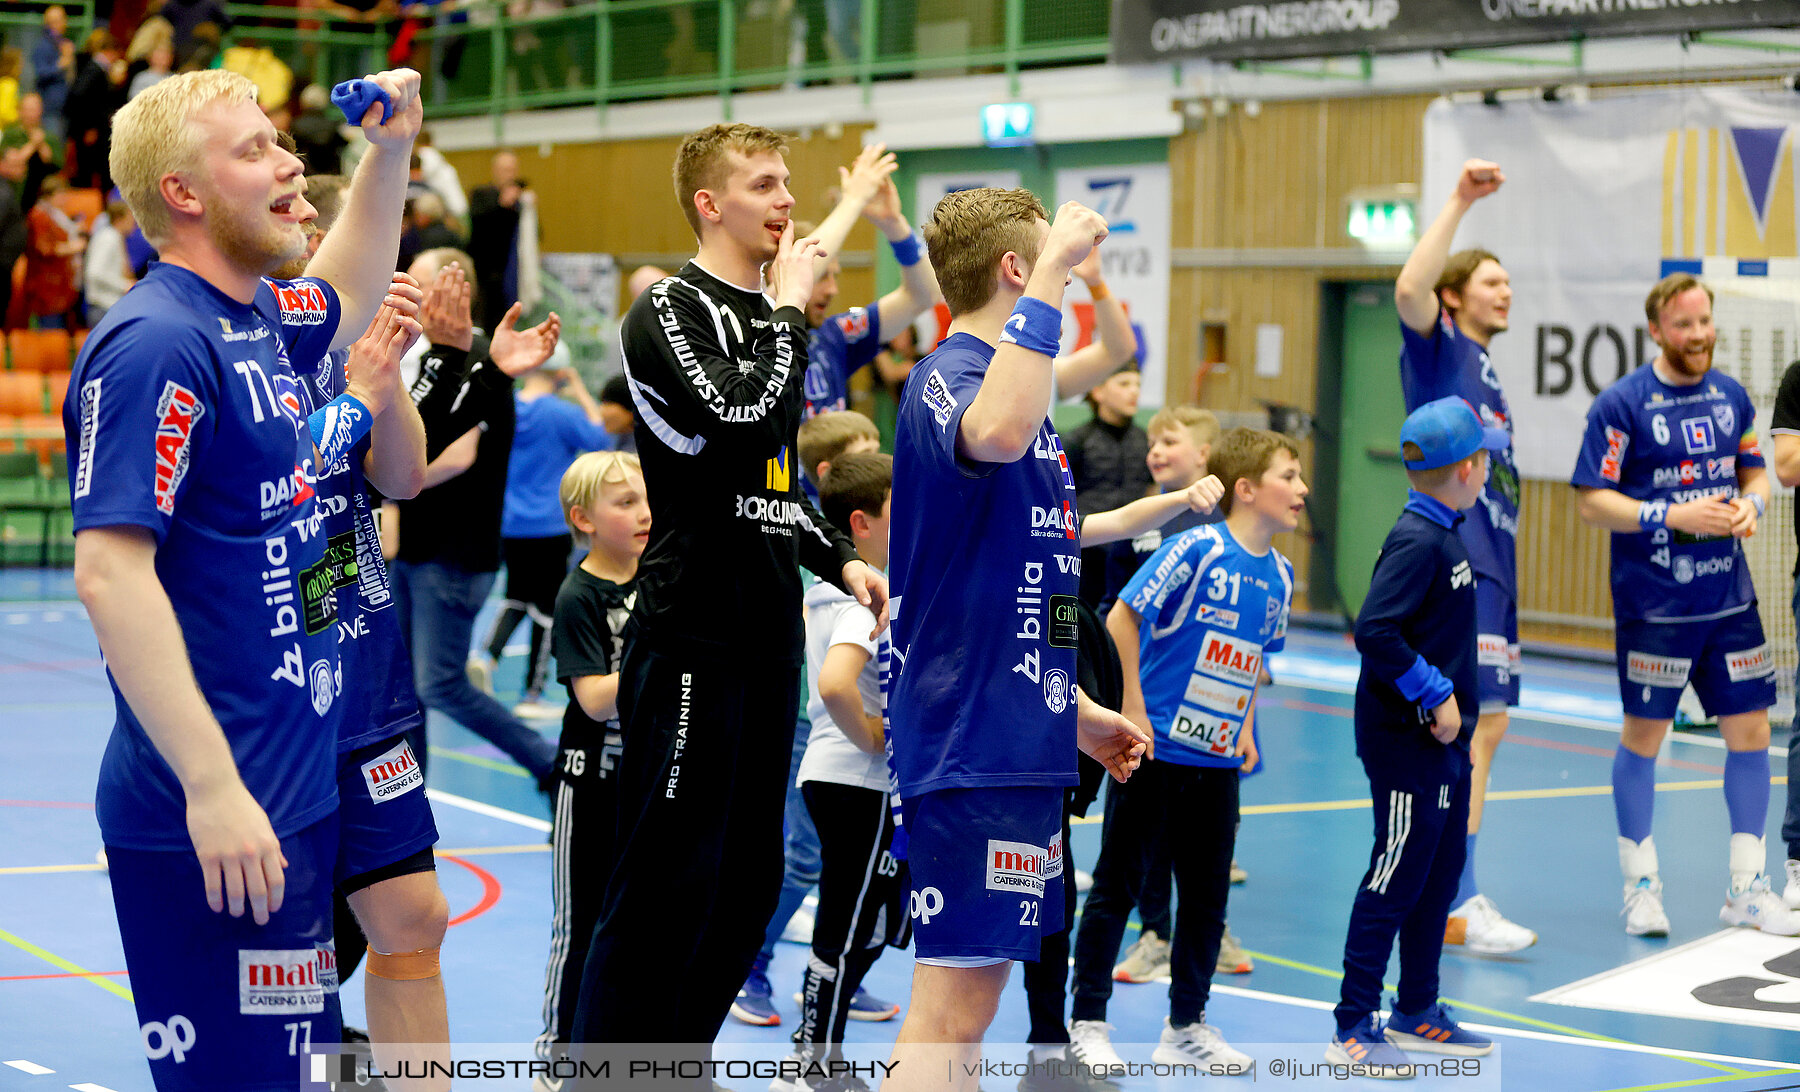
(31, 1068)
(58, 961)
(497, 765)
(489, 810)
(1556, 1033)
(1722, 1078)
(463, 851)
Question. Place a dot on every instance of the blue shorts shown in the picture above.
(1726, 659)
(383, 812)
(987, 871)
(1496, 647)
(223, 1002)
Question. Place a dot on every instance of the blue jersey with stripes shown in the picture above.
(1656, 442)
(188, 420)
(378, 700)
(1445, 363)
(985, 561)
(1208, 610)
(836, 351)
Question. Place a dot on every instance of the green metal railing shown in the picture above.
(600, 53)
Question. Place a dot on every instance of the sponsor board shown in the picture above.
(1737, 976)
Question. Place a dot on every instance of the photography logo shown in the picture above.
(342, 1071)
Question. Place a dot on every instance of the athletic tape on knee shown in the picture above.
(403, 966)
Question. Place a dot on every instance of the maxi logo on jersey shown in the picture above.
(1612, 463)
(177, 411)
(301, 304)
(1229, 658)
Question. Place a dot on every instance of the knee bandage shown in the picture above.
(404, 966)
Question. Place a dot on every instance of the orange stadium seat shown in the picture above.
(57, 383)
(81, 205)
(21, 394)
(40, 350)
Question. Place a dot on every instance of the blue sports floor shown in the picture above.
(1587, 1008)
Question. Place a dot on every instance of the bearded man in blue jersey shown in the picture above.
(200, 559)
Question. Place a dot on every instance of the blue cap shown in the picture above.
(1448, 431)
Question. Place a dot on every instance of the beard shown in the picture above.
(255, 246)
(1680, 364)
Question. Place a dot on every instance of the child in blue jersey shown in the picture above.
(1416, 634)
(1451, 307)
(1670, 464)
(1192, 628)
(986, 719)
(201, 560)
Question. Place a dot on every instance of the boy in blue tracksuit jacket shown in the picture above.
(1416, 635)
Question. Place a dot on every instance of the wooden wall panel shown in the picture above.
(619, 198)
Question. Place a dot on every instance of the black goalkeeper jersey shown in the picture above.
(718, 383)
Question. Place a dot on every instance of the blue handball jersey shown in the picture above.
(836, 351)
(984, 568)
(188, 420)
(1209, 610)
(1656, 442)
(1447, 363)
(378, 697)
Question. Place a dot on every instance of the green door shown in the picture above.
(1371, 485)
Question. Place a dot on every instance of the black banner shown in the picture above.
(1166, 30)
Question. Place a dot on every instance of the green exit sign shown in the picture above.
(1383, 222)
(1006, 124)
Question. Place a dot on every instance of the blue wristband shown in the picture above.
(354, 97)
(1034, 326)
(337, 427)
(1757, 502)
(1653, 515)
(906, 251)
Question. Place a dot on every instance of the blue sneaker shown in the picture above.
(1373, 1056)
(866, 1006)
(755, 1003)
(863, 1006)
(1434, 1032)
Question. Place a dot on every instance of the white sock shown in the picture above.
(1748, 854)
(1637, 860)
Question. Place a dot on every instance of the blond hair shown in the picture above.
(1246, 453)
(703, 161)
(1667, 289)
(970, 231)
(581, 483)
(154, 135)
(1202, 426)
(823, 438)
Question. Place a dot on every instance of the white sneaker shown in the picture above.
(1485, 930)
(1084, 881)
(1760, 908)
(1090, 1043)
(538, 710)
(1791, 893)
(1643, 911)
(799, 929)
(480, 669)
(1200, 1043)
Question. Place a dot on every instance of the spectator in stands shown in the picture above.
(494, 236)
(316, 132)
(159, 65)
(152, 32)
(186, 17)
(13, 230)
(106, 271)
(40, 159)
(12, 66)
(444, 181)
(426, 230)
(87, 112)
(53, 66)
(53, 241)
(617, 415)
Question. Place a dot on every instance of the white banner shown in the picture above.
(1601, 199)
(1135, 258)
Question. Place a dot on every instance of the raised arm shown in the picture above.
(1415, 290)
(918, 290)
(1114, 343)
(357, 257)
(1132, 520)
(1004, 416)
(858, 184)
